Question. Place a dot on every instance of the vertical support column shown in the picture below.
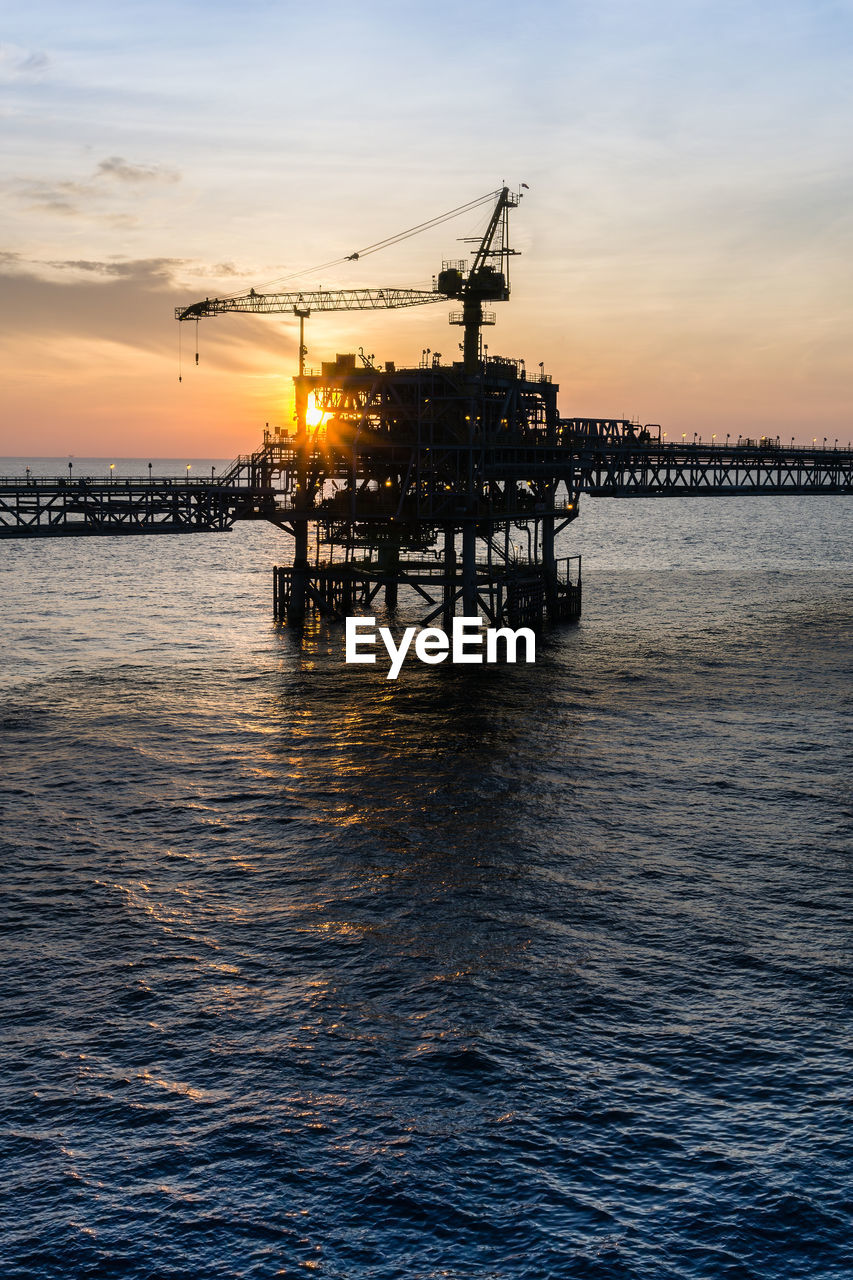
(549, 565)
(449, 575)
(389, 563)
(472, 313)
(347, 591)
(296, 608)
(469, 568)
(509, 507)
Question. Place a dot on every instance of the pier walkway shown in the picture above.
(262, 486)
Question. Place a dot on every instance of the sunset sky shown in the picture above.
(686, 236)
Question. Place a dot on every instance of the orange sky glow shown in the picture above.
(685, 240)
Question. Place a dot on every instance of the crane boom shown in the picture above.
(311, 300)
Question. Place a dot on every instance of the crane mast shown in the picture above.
(483, 282)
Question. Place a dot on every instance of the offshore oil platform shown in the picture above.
(450, 481)
(403, 464)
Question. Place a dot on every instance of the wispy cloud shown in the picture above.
(128, 301)
(124, 171)
(17, 63)
(61, 198)
(95, 194)
(150, 269)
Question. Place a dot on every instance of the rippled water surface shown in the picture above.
(501, 973)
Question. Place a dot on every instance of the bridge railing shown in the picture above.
(106, 482)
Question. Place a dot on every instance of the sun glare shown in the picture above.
(313, 414)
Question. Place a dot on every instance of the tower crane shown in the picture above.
(483, 282)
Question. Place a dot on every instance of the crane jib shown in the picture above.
(313, 300)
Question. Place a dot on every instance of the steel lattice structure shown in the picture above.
(305, 301)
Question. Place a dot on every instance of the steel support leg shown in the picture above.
(389, 563)
(549, 567)
(296, 608)
(469, 569)
(449, 575)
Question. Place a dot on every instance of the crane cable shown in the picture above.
(422, 226)
(378, 245)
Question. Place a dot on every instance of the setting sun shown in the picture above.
(314, 415)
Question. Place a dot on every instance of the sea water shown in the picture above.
(502, 972)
